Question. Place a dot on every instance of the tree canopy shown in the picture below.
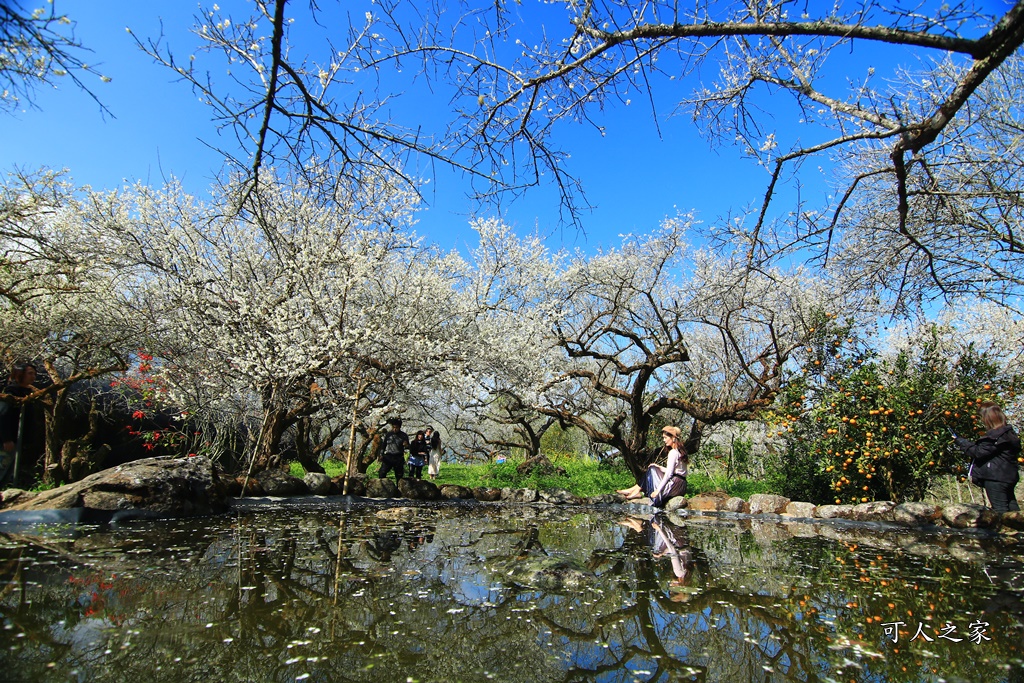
(298, 297)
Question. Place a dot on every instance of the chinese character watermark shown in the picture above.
(976, 632)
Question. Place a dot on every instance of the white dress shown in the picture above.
(434, 462)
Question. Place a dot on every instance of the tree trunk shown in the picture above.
(77, 459)
(267, 453)
(369, 450)
(637, 456)
(69, 459)
(303, 451)
(54, 412)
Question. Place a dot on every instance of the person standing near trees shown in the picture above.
(434, 444)
(994, 458)
(12, 424)
(417, 455)
(393, 446)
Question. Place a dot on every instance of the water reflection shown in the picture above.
(505, 593)
(668, 540)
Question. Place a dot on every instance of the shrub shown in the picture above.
(857, 428)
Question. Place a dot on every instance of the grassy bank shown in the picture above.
(582, 478)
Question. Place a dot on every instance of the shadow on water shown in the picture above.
(506, 593)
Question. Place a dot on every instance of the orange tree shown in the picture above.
(857, 427)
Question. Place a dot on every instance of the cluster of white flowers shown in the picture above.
(321, 305)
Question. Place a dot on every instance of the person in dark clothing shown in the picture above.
(418, 455)
(994, 463)
(393, 445)
(12, 426)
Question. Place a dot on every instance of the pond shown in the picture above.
(506, 593)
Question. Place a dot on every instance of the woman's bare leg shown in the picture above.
(632, 492)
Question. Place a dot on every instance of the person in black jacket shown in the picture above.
(393, 447)
(994, 458)
(16, 423)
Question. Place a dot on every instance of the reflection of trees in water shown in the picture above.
(331, 594)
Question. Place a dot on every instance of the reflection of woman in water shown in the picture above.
(667, 540)
(664, 542)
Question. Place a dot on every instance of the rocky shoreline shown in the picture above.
(185, 487)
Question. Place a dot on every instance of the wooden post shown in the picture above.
(352, 433)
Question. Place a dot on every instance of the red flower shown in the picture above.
(138, 415)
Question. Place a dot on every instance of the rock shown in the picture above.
(231, 486)
(318, 483)
(876, 511)
(419, 489)
(449, 492)
(736, 504)
(677, 503)
(529, 495)
(605, 499)
(279, 483)
(166, 487)
(545, 573)
(916, 514)
(356, 484)
(510, 495)
(486, 495)
(967, 516)
(768, 531)
(539, 465)
(678, 517)
(761, 503)
(1010, 520)
(966, 552)
(798, 509)
(713, 501)
(397, 514)
(923, 549)
(16, 496)
(248, 486)
(833, 511)
(802, 529)
(381, 488)
(558, 497)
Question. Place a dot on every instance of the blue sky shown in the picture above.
(633, 176)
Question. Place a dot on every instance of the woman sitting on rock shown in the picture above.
(661, 483)
(994, 458)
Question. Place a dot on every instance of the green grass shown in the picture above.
(583, 478)
(698, 482)
(333, 468)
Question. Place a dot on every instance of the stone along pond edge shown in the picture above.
(185, 487)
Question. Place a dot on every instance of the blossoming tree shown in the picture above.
(65, 305)
(656, 329)
(304, 306)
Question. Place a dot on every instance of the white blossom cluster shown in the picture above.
(325, 306)
(62, 298)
